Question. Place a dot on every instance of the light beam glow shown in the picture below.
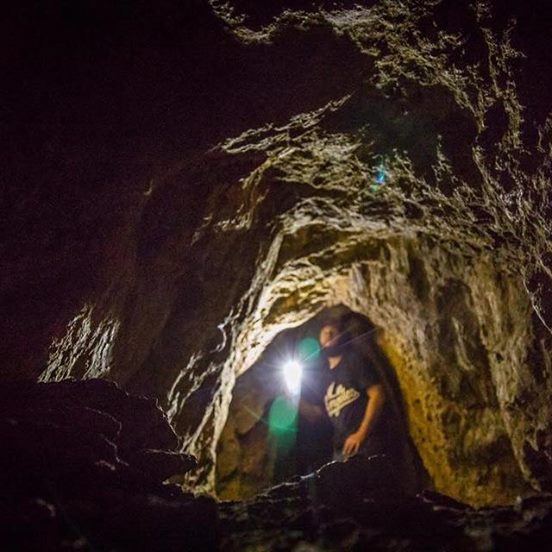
(293, 370)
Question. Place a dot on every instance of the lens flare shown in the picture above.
(308, 349)
(292, 375)
(380, 176)
(282, 417)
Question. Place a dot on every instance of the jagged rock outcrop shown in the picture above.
(351, 515)
(184, 183)
(83, 466)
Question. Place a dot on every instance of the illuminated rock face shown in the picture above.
(394, 158)
(446, 326)
(246, 451)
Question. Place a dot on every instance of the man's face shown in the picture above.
(328, 336)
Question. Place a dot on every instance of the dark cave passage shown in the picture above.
(439, 321)
(267, 438)
(190, 186)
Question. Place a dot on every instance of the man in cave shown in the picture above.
(354, 397)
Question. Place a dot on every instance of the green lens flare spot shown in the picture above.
(308, 349)
(282, 417)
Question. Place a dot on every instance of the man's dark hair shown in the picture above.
(334, 321)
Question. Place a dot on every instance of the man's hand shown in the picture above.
(376, 398)
(352, 444)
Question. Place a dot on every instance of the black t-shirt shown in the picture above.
(345, 397)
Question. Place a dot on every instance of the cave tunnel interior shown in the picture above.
(188, 187)
(268, 440)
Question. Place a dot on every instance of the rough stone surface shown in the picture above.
(72, 478)
(299, 516)
(83, 466)
(185, 180)
(246, 452)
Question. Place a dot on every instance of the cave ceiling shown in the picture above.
(186, 180)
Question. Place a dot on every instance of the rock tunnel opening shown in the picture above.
(268, 438)
(451, 327)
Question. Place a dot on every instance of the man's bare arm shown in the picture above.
(376, 400)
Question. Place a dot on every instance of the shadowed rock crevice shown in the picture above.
(84, 465)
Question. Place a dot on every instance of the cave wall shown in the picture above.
(246, 450)
(452, 329)
(183, 183)
(453, 353)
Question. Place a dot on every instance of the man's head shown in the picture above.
(331, 332)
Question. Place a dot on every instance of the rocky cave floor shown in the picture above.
(84, 464)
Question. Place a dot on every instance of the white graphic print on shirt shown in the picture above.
(337, 398)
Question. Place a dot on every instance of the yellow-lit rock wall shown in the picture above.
(438, 315)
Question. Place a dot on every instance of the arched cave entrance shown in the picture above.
(450, 327)
(266, 439)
